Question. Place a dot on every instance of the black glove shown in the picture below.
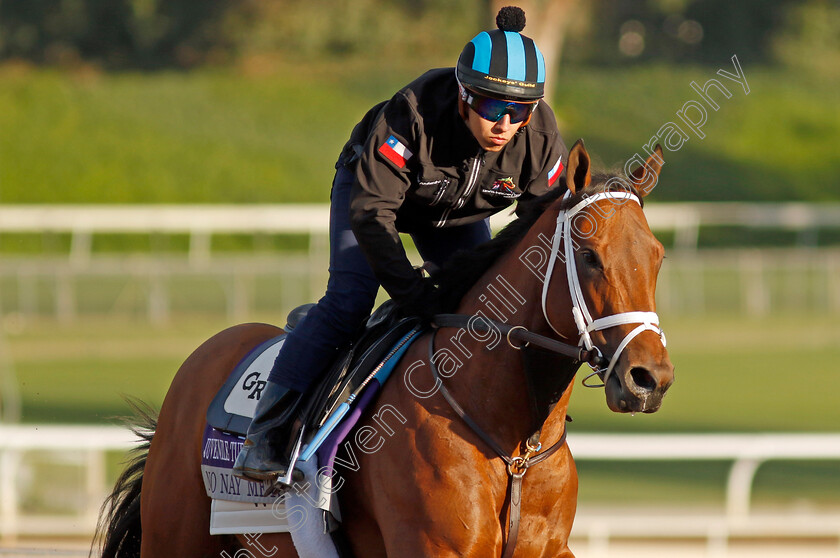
(424, 302)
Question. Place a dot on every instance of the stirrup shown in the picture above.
(277, 486)
(288, 478)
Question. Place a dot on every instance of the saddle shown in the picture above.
(330, 414)
(233, 406)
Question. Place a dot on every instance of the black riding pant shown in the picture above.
(351, 289)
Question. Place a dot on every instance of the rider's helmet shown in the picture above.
(503, 63)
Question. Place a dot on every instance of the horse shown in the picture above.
(468, 406)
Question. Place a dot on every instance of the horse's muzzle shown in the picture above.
(638, 389)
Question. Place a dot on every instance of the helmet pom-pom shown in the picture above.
(511, 18)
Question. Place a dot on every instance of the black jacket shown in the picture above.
(419, 166)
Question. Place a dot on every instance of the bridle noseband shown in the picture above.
(583, 319)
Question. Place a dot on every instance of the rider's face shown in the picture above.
(492, 136)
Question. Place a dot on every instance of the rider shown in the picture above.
(435, 161)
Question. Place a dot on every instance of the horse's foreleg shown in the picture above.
(422, 510)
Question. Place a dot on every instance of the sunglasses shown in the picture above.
(494, 110)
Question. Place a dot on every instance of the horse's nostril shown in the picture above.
(643, 378)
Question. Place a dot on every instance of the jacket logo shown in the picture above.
(504, 188)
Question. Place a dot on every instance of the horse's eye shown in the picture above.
(590, 258)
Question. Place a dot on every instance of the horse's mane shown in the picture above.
(464, 268)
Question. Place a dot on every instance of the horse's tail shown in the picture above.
(118, 529)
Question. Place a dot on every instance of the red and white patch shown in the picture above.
(395, 151)
(555, 172)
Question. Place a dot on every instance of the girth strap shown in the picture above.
(517, 466)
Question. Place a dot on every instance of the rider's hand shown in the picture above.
(423, 303)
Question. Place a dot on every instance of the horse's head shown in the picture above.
(613, 261)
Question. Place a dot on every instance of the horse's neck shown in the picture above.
(493, 386)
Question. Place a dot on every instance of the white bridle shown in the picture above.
(583, 319)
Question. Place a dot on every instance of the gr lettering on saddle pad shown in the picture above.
(253, 385)
(244, 397)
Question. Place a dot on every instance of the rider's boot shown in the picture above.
(269, 442)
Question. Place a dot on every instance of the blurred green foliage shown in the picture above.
(227, 136)
(777, 143)
(170, 137)
(186, 33)
(116, 33)
(810, 38)
(277, 85)
(386, 28)
(703, 31)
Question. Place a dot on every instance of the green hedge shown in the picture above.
(221, 136)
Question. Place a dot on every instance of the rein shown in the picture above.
(592, 357)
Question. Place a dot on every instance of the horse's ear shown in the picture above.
(646, 176)
(577, 171)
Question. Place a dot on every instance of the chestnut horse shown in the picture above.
(436, 487)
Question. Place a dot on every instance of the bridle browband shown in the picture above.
(584, 351)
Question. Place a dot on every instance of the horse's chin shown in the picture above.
(622, 400)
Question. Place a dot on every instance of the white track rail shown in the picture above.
(86, 446)
(202, 221)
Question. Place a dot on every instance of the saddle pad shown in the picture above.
(309, 510)
(220, 448)
(234, 405)
(217, 458)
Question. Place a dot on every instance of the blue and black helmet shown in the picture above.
(503, 63)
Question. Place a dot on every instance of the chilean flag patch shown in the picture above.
(394, 150)
(555, 171)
